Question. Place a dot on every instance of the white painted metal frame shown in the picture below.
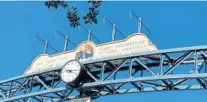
(170, 69)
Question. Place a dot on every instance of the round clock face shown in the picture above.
(70, 71)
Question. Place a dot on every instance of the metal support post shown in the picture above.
(195, 64)
(130, 68)
(102, 71)
(161, 64)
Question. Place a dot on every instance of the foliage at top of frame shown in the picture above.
(72, 16)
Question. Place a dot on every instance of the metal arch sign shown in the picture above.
(85, 51)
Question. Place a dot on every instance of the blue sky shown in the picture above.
(172, 24)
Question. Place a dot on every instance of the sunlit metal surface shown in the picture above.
(161, 70)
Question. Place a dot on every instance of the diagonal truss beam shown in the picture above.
(179, 61)
(145, 67)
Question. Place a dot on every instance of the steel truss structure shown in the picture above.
(170, 69)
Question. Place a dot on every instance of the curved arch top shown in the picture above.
(135, 43)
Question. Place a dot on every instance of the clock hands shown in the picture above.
(71, 70)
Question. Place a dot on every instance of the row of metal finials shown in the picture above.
(114, 30)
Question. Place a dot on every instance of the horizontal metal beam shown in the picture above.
(34, 94)
(151, 78)
(151, 89)
(127, 80)
(173, 50)
(121, 91)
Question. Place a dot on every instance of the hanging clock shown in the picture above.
(72, 72)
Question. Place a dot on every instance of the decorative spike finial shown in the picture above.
(139, 25)
(46, 46)
(66, 40)
(114, 32)
(89, 35)
(130, 14)
(114, 29)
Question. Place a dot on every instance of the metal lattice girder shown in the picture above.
(170, 69)
(128, 80)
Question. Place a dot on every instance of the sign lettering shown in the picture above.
(135, 43)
